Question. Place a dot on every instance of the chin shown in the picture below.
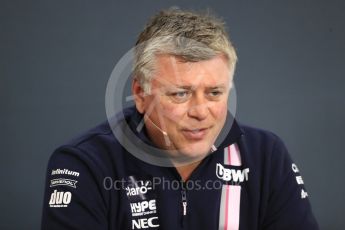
(197, 151)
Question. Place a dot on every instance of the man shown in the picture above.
(197, 168)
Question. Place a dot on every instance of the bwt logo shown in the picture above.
(232, 174)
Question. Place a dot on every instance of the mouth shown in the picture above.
(195, 134)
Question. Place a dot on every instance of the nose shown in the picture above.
(198, 108)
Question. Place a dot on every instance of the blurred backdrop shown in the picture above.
(56, 58)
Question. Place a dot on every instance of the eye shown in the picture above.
(215, 93)
(180, 96)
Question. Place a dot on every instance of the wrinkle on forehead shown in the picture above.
(172, 70)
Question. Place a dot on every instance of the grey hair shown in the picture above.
(188, 35)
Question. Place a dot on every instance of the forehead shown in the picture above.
(209, 73)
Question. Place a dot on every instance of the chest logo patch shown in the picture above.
(142, 202)
(232, 174)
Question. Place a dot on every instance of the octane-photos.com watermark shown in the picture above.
(142, 186)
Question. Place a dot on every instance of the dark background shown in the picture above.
(56, 58)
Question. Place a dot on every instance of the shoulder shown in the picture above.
(263, 145)
(92, 138)
(99, 139)
(258, 136)
(97, 147)
(87, 151)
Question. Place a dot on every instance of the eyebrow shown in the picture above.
(221, 86)
(183, 87)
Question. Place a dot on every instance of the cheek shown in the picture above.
(219, 111)
(173, 113)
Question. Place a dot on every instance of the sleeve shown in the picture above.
(288, 204)
(74, 198)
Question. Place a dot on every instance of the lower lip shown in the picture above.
(199, 135)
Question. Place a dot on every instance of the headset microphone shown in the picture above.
(213, 148)
(148, 118)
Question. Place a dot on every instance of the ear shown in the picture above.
(139, 96)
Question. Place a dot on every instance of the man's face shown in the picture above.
(188, 101)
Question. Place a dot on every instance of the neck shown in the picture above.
(187, 170)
